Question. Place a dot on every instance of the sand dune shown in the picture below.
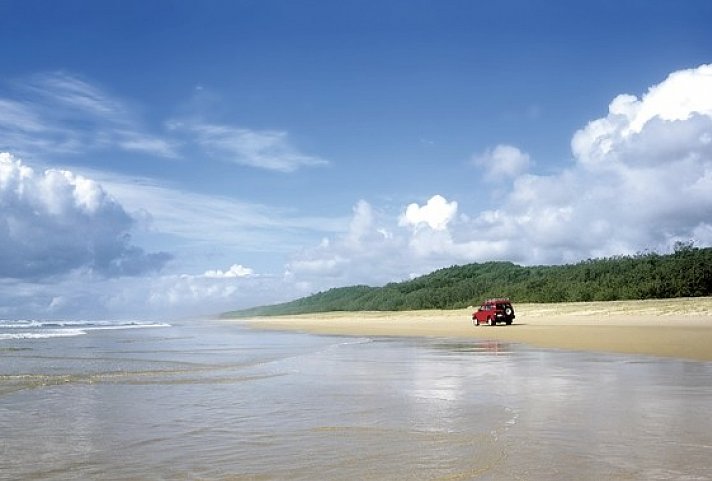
(671, 327)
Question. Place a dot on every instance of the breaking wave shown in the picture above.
(45, 329)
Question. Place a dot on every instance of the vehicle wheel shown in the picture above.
(475, 323)
(509, 322)
(508, 311)
(491, 322)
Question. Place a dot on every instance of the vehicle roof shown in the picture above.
(496, 300)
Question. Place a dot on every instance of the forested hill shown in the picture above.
(685, 273)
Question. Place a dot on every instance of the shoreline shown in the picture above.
(677, 328)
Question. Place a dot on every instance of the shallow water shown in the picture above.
(212, 401)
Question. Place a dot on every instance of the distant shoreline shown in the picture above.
(679, 328)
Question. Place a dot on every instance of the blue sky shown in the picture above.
(186, 157)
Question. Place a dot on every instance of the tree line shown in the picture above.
(687, 272)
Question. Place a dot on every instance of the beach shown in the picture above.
(679, 328)
(220, 400)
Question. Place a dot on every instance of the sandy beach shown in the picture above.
(679, 328)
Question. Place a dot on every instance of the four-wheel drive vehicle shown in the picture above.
(493, 311)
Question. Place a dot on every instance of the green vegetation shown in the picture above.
(685, 273)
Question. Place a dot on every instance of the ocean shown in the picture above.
(212, 400)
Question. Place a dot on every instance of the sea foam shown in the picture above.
(45, 329)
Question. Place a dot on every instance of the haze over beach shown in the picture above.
(163, 162)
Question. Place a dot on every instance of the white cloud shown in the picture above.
(81, 295)
(236, 270)
(138, 142)
(503, 162)
(20, 117)
(361, 223)
(57, 113)
(61, 114)
(333, 266)
(56, 222)
(672, 116)
(264, 149)
(214, 219)
(436, 214)
(77, 96)
(379, 248)
(369, 251)
(683, 94)
(641, 179)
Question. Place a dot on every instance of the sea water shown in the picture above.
(211, 400)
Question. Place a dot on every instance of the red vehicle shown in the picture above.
(493, 311)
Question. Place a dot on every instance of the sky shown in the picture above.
(183, 158)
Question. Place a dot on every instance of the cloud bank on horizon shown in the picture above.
(639, 178)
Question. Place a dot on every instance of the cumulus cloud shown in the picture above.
(369, 251)
(503, 162)
(264, 149)
(667, 124)
(378, 247)
(641, 179)
(236, 270)
(54, 222)
(436, 213)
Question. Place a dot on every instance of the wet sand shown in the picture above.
(680, 328)
(216, 401)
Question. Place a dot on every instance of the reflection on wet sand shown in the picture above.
(264, 405)
(680, 328)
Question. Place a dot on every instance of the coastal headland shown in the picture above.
(680, 328)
